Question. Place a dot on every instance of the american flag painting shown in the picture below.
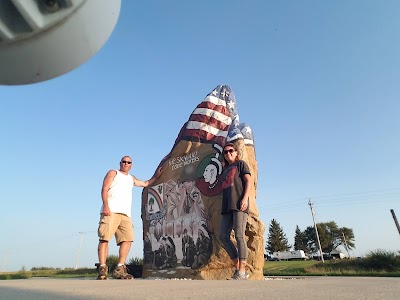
(215, 120)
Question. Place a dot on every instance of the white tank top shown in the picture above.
(120, 194)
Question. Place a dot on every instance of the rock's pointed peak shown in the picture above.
(225, 93)
(240, 131)
(211, 119)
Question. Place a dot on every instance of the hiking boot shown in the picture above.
(121, 273)
(103, 273)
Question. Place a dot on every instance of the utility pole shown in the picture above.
(79, 249)
(316, 230)
(395, 220)
(5, 262)
(345, 245)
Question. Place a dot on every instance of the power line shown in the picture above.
(5, 262)
(335, 200)
(361, 198)
(355, 193)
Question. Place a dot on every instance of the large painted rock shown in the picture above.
(181, 211)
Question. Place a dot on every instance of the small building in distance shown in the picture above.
(337, 254)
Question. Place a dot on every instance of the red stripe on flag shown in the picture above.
(218, 108)
(209, 121)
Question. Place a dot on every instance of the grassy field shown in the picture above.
(54, 273)
(346, 267)
(379, 263)
(290, 268)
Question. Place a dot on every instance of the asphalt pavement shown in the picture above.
(325, 288)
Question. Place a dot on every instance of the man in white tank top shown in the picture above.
(115, 218)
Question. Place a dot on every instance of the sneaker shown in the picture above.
(236, 273)
(121, 273)
(237, 276)
(103, 273)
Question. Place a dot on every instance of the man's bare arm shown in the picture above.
(108, 179)
(146, 183)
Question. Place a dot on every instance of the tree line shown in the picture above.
(331, 236)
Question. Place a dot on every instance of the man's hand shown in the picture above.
(106, 211)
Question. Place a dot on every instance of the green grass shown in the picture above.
(345, 267)
(67, 273)
(271, 268)
(50, 272)
(376, 263)
(19, 275)
(287, 268)
(112, 261)
(379, 263)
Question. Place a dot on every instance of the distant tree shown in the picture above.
(349, 236)
(277, 240)
(300, 242)
(311, 239)
(330, 236)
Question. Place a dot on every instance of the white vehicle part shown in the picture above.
(43, 39)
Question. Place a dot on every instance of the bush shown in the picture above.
(112, 261)
(382, 260)
(137, 261)
(135, 267)
(376, 263)
(44, 268)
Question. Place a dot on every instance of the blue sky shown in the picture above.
(316, 81)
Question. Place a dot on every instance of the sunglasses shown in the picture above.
(126, 162)
(229, 151)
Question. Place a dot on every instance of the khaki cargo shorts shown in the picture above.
(119, 225)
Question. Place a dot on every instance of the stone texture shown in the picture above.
(181, 211)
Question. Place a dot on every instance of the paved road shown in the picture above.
(324, 288)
